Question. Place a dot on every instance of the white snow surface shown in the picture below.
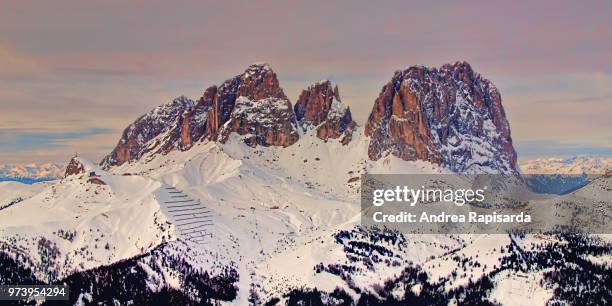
(274, 212)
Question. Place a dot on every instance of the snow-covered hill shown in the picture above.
(281, 221)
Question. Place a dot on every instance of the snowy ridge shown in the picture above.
(293, 224)
(81, 225)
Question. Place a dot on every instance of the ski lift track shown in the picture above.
(192, 219)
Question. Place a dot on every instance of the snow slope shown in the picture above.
(283, 218)
(73, 224)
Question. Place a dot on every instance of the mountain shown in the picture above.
(240, 198)
(569, 165)
(158, 131)
(450, 116)
(251, 103)
(31, 170)
(319, 107)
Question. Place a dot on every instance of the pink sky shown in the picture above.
(79, 72)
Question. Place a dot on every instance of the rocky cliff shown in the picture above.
(450, 116)
(74, 167)
(167, 127)
(319, 107)
(261, 111)
(251, 104)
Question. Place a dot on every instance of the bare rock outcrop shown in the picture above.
(319, 107)
(74, 167)
(450, 116)
(260, 111)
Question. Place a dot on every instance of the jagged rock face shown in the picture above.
(258, 82)
(259, 109)
(320, 107)
(74, 167)
(267, 122)
(222, 101)
(250, 104)
(450, 116)
(175, 125)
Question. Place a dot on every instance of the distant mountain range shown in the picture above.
(567, 165)
(31, 171)
(556, 175)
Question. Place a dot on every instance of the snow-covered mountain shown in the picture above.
(567, 165)
(243, 199)
(31, 170)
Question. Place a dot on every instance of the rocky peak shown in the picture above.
(74, 167)
(166, 127)
(260, 82)
(256, 83)
(450, 116)
(319, 107)
(260, 110)
(251, 104)
(314, 103)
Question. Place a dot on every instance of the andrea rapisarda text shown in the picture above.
(472, 217)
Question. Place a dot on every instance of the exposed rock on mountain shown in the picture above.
(320, 107)
(267, 122)
(161, 130)
(250, 104)
(74, 167)
(221, 99)
(451, 116)
(261, 110)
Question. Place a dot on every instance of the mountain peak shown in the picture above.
(449, 115)
(258, 66)
(259, 82)
(78, 165)
(458, 65)
(158, 131)
(319, 107)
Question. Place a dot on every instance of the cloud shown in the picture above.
(16, 141)
(16, 65)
